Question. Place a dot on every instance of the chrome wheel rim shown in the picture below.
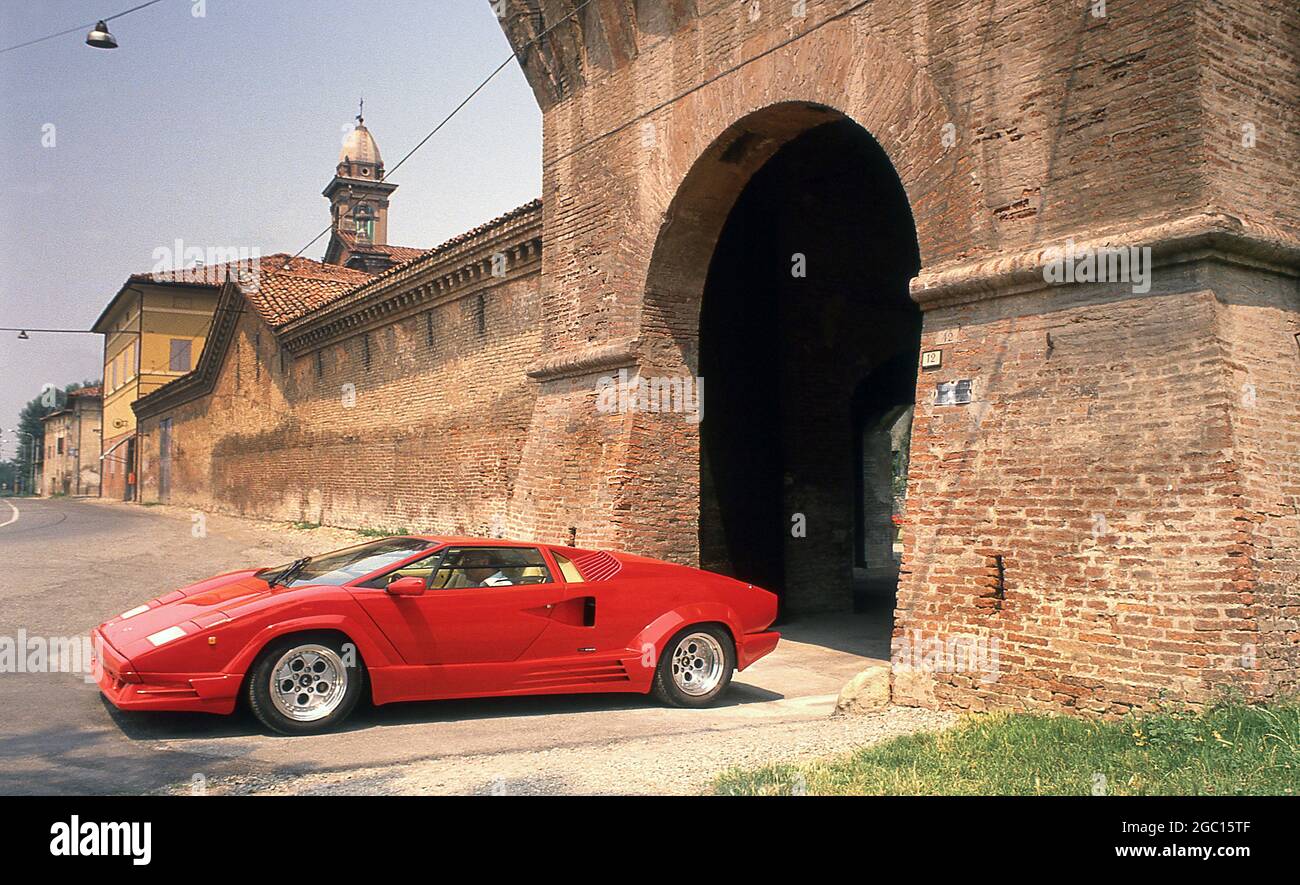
(697, 664)
(308, 682)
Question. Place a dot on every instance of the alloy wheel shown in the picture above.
(697, 664)
(308, 682)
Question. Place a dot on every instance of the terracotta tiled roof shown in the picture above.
(286, 288)
(283, 289)
(286, 295)
(397, 253)
(206, 277)
(527, 208)
(203, 275)
(80, 391)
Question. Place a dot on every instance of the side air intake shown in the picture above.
(598, 566)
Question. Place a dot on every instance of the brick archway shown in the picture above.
(778, 355)
(839, 70)
(835, 73)
(614, 294)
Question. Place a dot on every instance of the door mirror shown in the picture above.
(409, 586)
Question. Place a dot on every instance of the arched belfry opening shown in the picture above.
(808, 344)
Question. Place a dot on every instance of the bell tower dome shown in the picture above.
(358, 198)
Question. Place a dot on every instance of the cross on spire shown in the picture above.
(361, 110)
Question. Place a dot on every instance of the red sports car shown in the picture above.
(423, 618)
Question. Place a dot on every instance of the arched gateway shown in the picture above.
(1089, 509)
(779, 287)
(747, 142)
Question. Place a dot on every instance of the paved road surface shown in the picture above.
(68, 564)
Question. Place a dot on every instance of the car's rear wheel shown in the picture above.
(695, 667)
(305, 684)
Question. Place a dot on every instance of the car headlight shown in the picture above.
(164, 636)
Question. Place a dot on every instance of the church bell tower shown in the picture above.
(358, 198)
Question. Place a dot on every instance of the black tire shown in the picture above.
(259, 690)
(666, 686)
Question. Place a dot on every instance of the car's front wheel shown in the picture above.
(695, 667)
(305, 684)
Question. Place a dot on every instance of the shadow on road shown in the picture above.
(153, 726)
(866, 633)
(94, 761)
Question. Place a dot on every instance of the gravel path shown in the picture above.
(683, 764)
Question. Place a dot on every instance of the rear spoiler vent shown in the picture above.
(598, 566)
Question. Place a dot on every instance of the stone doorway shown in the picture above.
(807, 341)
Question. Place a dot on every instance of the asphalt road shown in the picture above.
(69, 564)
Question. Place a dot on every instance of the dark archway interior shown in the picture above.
(809, 349)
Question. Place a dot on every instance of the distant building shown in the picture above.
(328, 395)
(154, 330)
(70, 465)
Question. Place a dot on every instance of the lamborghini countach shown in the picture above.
(426, 618)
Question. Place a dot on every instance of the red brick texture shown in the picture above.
(414, 420)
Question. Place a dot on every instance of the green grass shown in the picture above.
(365, 533)
(1229, 749)
(382, 533)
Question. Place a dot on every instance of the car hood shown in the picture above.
(198, 606)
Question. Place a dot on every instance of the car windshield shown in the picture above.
(351, 563)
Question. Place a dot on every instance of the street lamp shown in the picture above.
(100, 38)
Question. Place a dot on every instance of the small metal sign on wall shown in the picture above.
(952, 393)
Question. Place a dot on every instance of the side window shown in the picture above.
(421, 568)
(567, 568)
(490, 567)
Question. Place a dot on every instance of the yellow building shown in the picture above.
(154, 330)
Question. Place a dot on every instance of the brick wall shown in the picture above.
(415, 422)
(1097, 462)
(116, 469)
(1259, 332)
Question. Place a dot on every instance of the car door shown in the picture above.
(599, 618)
(482, 605)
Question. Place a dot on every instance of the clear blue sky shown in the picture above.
(222, 131)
